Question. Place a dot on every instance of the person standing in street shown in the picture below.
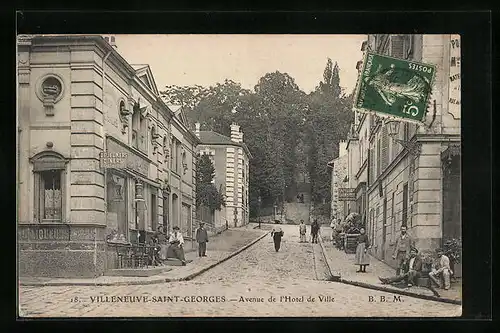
(276, 234)
(362, 259)
(314, 231)
(332, 226)
(302, 232)
(402, 249)
(176, 242)
(202, 239)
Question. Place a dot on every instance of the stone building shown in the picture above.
(100, 156)
(230, 157)
(339, 178)
(414, 181)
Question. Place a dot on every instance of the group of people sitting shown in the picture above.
(411, 270)
(173, 248)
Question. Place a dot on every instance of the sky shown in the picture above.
(208, 59)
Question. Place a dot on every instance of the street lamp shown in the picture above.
(412, 147)
(260, 201)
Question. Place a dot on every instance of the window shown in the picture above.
(49, 180)
(116, 198)
(154, 215)
(405, 206)
(393, 218)
(135, 127)
(142, 133)
(379, 160)
(184, 163)
(50, 195)
(401, 46)
(385, 148)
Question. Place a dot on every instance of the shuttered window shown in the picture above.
(371, 165)
(379, 151)
(397, 49)
(385, 148)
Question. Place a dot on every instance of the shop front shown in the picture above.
(131, 199)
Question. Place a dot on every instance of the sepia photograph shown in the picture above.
(239, 175)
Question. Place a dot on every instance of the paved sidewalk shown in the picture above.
(343, 270)
(220, 248)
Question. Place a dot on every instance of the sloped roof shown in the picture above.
(210, 137)
(214, 138)
(144, 73)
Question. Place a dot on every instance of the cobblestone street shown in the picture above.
(256, 282)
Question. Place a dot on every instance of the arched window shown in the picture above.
(48, 168)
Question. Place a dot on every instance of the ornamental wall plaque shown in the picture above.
(49, 90)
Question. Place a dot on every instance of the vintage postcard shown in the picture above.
(239, 175)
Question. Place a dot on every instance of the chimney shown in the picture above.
(197, 129)
(235, 133)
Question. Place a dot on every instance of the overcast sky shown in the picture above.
(208, 59)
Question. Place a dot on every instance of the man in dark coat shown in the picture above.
(314, 231)
(202, 239)
(276, 234)
(412, 269)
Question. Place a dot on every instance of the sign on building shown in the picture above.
(347, 194)
(454, 101)
(115, 160)
(394, 87)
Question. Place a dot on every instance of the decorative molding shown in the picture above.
(124, 115)
(50, 89)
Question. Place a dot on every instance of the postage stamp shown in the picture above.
(395, 87)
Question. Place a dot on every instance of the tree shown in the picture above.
(206, 192)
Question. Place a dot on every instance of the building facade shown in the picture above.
(96, 147)
(339, 179)
(417, 186)
(230, 157)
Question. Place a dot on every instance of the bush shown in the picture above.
(453, 249)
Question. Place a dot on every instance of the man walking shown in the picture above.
(202, 239)
(302, 232)
(276, 234)
(402, 249)
(314, 231)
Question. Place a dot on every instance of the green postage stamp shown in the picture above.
(394, 87)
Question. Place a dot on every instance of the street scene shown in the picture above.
(241, 286)
(208, 176)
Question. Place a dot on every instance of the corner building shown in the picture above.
(96, 146)
(419, 190)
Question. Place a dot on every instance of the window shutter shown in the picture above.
(379, 146)
(385, 148)
(370, 166)
(397, 46)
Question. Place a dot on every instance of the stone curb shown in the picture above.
(337, 278)
(401, 292)
(334, 276)
(192, 275)
(141, 282)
